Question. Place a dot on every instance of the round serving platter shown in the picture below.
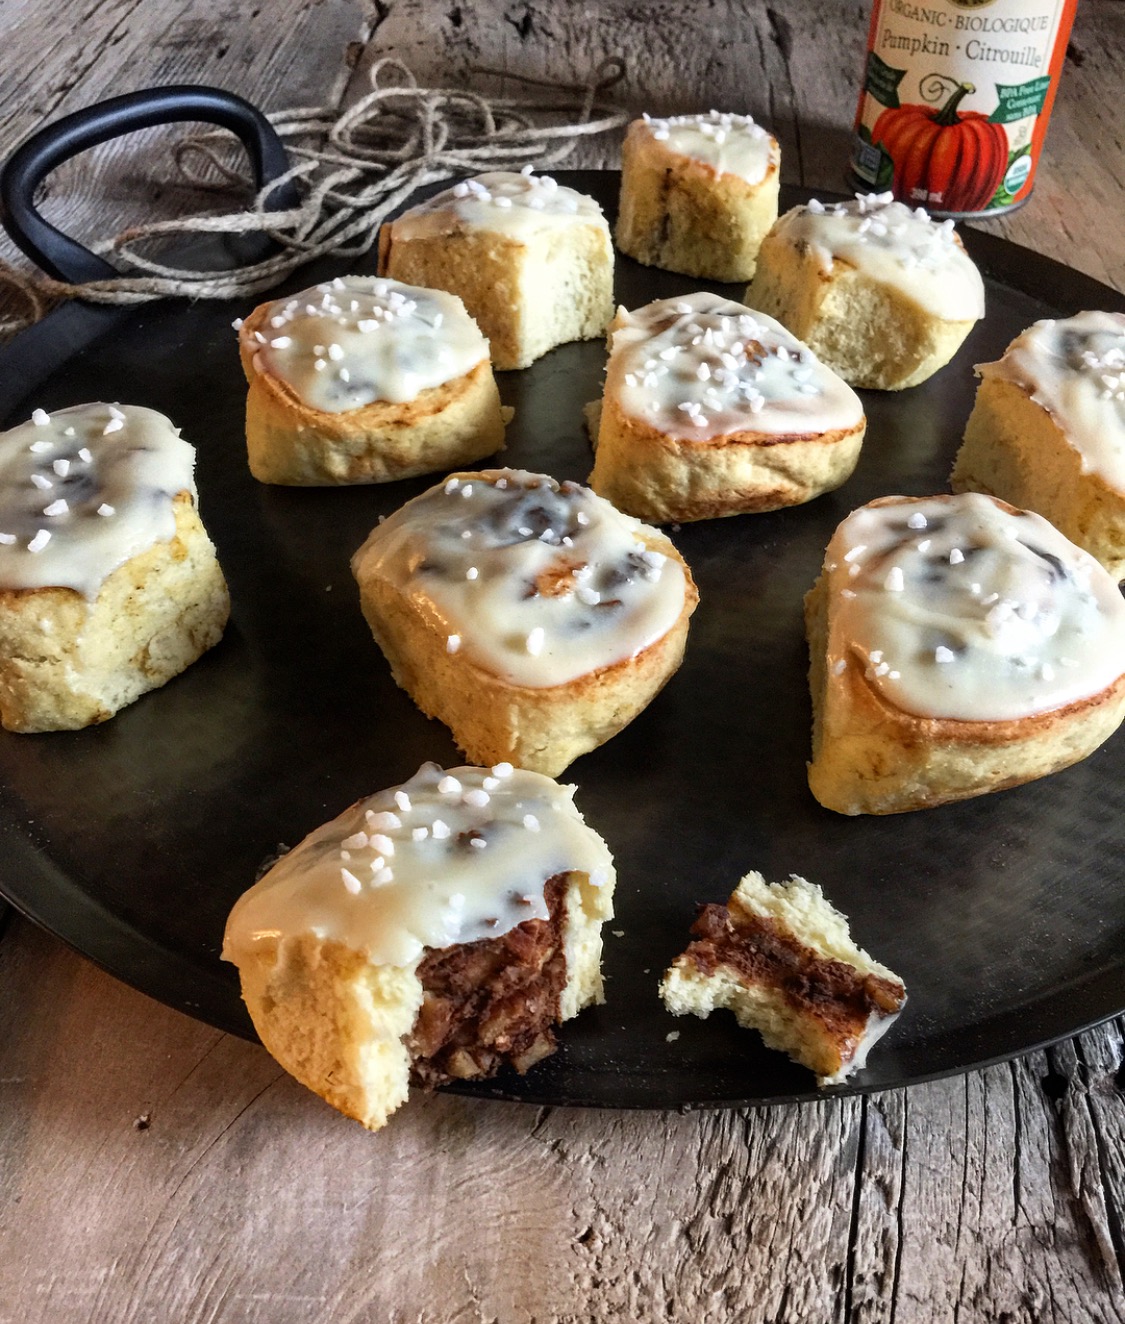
(1004, 915)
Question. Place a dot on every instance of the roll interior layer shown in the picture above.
(698, 193)
(781, 957)
(530, 616)
(882, 293)
(1047, 431)
(958, 646)
(437, 930)
(532, 260)
(713, 409)
(109, 585)
(366, 380)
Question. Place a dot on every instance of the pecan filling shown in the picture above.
(762, 951)
(491, 1002)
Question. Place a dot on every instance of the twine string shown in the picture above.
(351, 167)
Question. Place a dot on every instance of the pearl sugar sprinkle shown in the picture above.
(387, 839)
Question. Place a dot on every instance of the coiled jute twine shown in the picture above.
(351, 167)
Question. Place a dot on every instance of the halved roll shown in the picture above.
(436, 931)
(532, 260)
(881, 293)
(781, 957)
(109, 584)
(1047, 431)
(713, 409)
(958, 646)
(529, 616)
(364, 380)
(698, 193)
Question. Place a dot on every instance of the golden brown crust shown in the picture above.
(871, 757)
(291, 443)
(683, 215)
(872, 335)
(1016, 450)
(492, 719)
(525, 297)
(657, 477)
(66, 663)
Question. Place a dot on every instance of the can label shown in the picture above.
(955, 100)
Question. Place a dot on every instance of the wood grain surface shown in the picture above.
(153, 1169)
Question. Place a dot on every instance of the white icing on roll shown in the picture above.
(516, 205)
(701, 367)
(1075, 369)
(536, 581)
(900, 246)
(448, 857)
(358, 339)
(954, 607)
(729, 144)
(84, 489)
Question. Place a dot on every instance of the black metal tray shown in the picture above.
(1004, 915)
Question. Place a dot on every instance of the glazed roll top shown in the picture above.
(961, 607)
(702, 366)
(1075, 369)
(539, 582)
(517, 205)
(902, 247)
(82, 490)
(358, 339)
(447, 857)
(729, 144)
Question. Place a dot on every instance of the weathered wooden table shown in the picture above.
(153, 1169)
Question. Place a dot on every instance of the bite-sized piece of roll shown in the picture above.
(532, 260)
(781, 957)
(1047, 431)
(365, 380)
(109, 585)
(713, 409)
(437, 931)
(879, 291)
(698, 193)
(958, 646)
(529, 616)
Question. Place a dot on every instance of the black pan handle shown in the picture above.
(65, 258)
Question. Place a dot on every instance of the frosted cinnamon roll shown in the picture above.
(365, 380)
(109, 584)
(698, 193)
(713, 409)
(958, 646)
(879, 291)
(532, 260)
(529, 616)
(1047, 431)
(436, 931)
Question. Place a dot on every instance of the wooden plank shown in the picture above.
(155, 1169)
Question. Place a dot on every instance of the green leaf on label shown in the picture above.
(864, 132)
(1016, 101)
(882, 81)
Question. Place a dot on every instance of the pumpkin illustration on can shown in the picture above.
(955, 100)
(944, 158)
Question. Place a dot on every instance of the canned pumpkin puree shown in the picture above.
(956, 98)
